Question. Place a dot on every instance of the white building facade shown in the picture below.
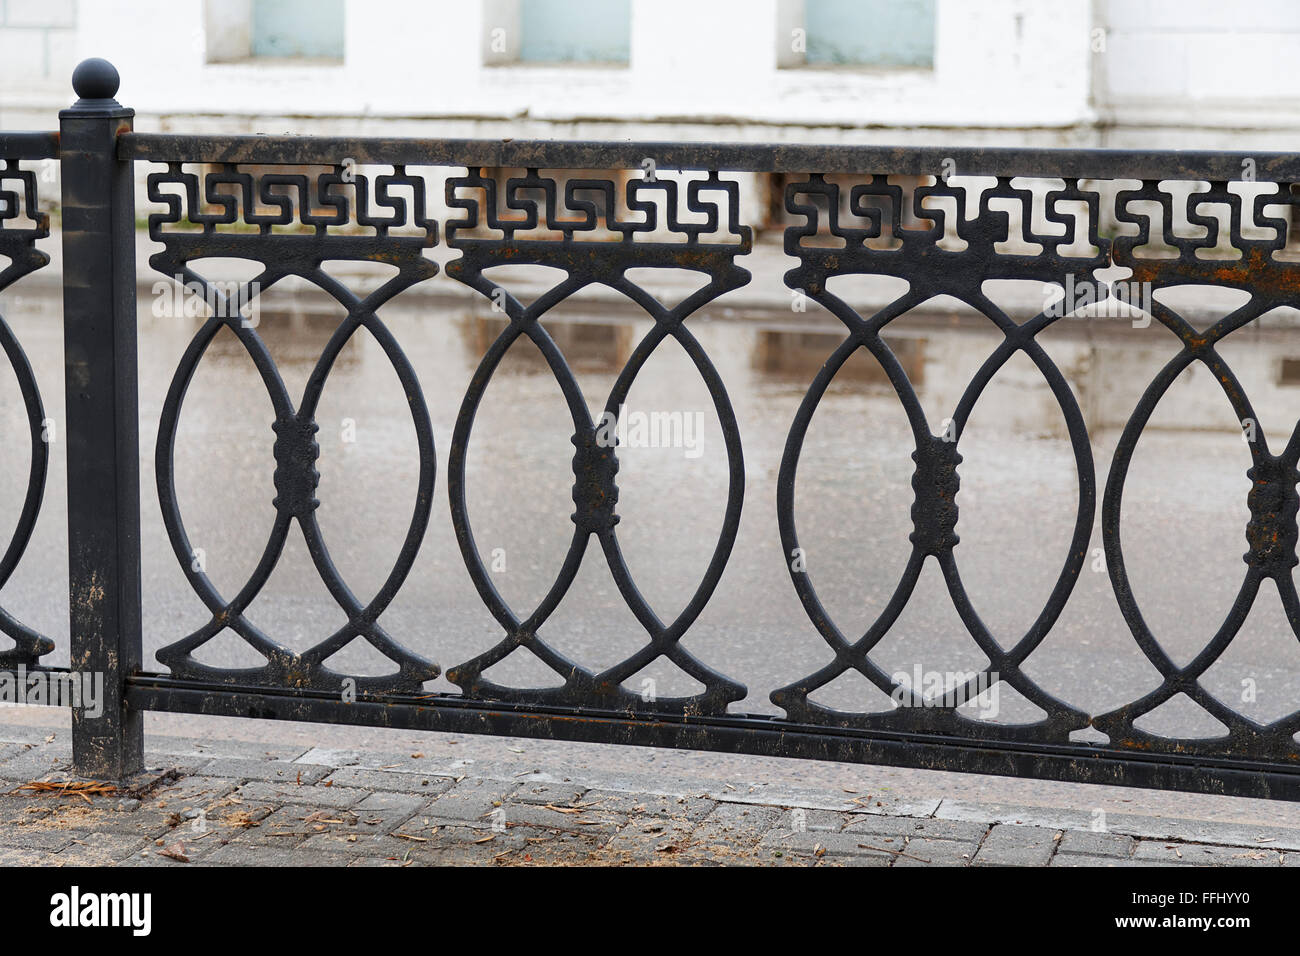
(989, 72)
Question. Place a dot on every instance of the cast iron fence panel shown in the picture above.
(931, 270)
(595, 461)
(292, 225)
(19, 202)
(294, 448)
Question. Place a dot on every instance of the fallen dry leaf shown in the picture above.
(175, 852)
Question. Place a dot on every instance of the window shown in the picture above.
(557, 31)
(857, 33)
(298, 28)
(237, 30)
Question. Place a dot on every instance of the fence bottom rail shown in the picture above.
(755, 735)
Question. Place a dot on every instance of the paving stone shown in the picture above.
(190, 792)
(395, 804)
(415, 761)
(891, 804)
(25, 856)
(150, 857)
(396, 832)
(925, 851)
(587, 820)
(378, 861)
(1081, 859)
(285, 826)
(98, 849)
(1193, 854)
(866, 858)
(456, 855)
(1089, 843)
(45, 801)
(20, 808)
(548, 850)
(262, 791)
(279, 771)
(558, 794)
(397, 780)
(10, 750)
(800, 818)
(232, 855)
(30, 815)
(328, 757)
(1011, 845)
(373, 843)
(28, 736)
(651, 840)
(34, 837)
(244, 808)
(436, 843)
(471, 801)
(962, 830)
(226, 814)
(737, 824)
(1051, 818)
(164, 747)
(192, 845)
(692, 808)
(804, 857)
(37, 763)
(1170, 829)
(378, 814)
(810, 841)
(785, 796)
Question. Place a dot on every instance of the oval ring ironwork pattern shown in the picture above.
(18, 200)
(595, 461)
(931, 270)
(1271, 531)
(290, 199)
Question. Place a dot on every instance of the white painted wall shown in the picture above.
(1005, 71)
(1182, 73)
(38, 41)
(1200, 73)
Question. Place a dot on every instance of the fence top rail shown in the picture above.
(35, 145)
(736, 157)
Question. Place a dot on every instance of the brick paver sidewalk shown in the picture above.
(240, 805)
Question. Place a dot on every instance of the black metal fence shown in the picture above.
(846, 217)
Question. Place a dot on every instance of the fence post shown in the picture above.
(99, 341)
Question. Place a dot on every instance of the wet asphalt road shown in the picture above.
(1184, 513)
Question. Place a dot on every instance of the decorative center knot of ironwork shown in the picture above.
(1273, 502)
(594, 491)
(935, 482)
(296, 477)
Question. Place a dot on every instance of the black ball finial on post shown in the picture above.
(95, 81)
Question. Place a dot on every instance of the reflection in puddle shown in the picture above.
(295, 338)
(588, 345)
(797, 356)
